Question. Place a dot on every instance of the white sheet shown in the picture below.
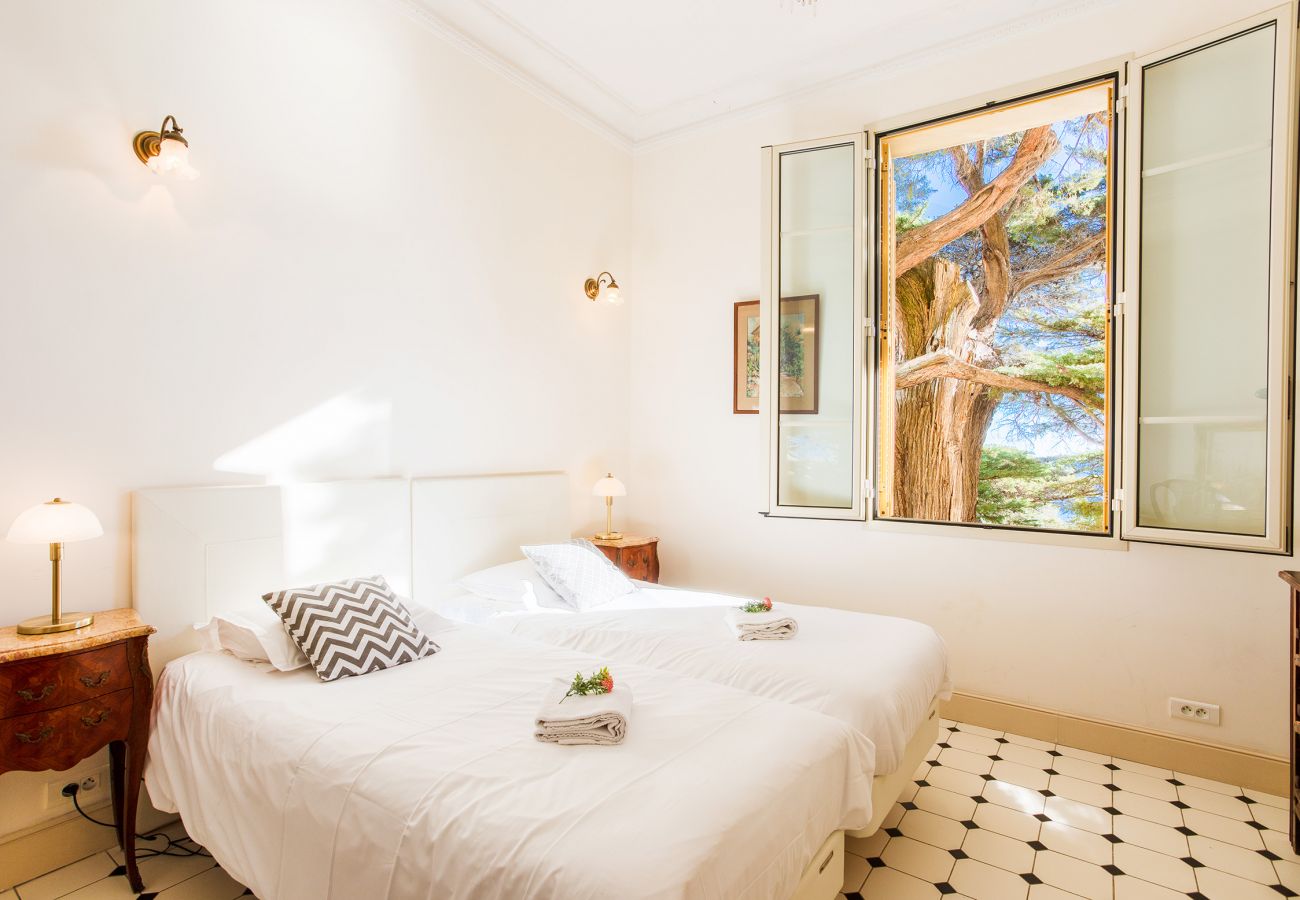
(877, 673)
(425, 780)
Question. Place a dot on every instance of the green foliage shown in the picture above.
(599, 682)
(1018, 488)
(1084, 369)
(792, 352)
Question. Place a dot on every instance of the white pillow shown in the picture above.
(255, 634)
(579, 573)
(514, 583)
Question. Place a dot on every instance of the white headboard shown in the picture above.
(460, 525)
(199, 551)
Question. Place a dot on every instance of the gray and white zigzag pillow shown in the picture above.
(350, 627)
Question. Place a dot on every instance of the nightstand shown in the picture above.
(65, 696)
(638, 557)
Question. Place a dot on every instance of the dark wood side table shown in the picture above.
(65, 696)
(1293, 646)
(638, 557)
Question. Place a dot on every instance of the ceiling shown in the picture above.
(641, 70)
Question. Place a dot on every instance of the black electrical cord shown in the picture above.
(173, 847)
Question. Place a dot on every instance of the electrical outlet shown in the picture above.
(1194, 710)
(93, 790)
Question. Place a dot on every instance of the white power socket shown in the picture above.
(1194, 710)
(94, 789)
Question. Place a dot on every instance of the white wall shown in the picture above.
(1103, 633)
(379, 271)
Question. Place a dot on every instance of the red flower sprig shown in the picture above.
(758, 606)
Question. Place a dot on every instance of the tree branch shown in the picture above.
(1035, 148)
(1065, 262)
(945, 364)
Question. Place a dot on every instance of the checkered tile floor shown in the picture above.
(993, 816)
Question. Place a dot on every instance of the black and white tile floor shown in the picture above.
(993, 816)
(989, 816)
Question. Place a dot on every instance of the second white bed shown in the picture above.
(879, 674)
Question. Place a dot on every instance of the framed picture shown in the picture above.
(798, 355)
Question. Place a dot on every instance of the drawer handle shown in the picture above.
(99, 720)
(32, 696)
(92, 682)
(24, 738)
(826, 862)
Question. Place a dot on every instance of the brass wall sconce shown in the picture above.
(591, 287)
(165, 151)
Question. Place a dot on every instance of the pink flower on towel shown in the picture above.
(607, 682)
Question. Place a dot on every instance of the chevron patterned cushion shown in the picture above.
(350, 627)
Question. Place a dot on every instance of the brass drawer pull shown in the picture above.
(91, 723)
(24, 738)
(826, 862)
(92, 682)
(32, 696)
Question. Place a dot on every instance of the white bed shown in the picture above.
(879, 674)
(425, 780)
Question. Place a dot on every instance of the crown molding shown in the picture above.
(422, 15)
(889, 68)
(631, 134)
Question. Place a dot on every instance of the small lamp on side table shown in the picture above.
(55, 523)
(609, 487)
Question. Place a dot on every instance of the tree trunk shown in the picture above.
(940, 424)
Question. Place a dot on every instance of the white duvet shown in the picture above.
(879, 674)
(425, 781)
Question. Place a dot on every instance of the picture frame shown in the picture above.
(800, 363)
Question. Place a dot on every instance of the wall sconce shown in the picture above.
(591, 287)
(165, 151)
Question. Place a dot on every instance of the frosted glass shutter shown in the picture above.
(813, 337)
(1207, 290)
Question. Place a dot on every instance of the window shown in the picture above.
(995, 345)
(816, 201)
(1207, 438)
(1066, 312)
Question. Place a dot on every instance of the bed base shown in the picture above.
(824, 876)
(886, 789)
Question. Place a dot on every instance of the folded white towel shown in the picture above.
(591, 719)
(764, 626)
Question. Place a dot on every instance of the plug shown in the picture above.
(70, 789)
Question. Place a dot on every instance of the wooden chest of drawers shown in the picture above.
(638, 557)
(65, 696)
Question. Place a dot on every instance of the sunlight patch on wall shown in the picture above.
(348, 436)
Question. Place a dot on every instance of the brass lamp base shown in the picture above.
(45, 625)
(609, 536)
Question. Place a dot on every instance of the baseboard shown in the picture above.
(42, 848)
(1258, 771)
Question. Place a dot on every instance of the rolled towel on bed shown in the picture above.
(592, 719)
(764, 626)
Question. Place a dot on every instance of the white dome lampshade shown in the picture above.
(56, 523)
(609, 487)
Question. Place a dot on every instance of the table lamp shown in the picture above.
(55, 523)
(609, 487)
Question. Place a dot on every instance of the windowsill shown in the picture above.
(994, 533)
(975, 532)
